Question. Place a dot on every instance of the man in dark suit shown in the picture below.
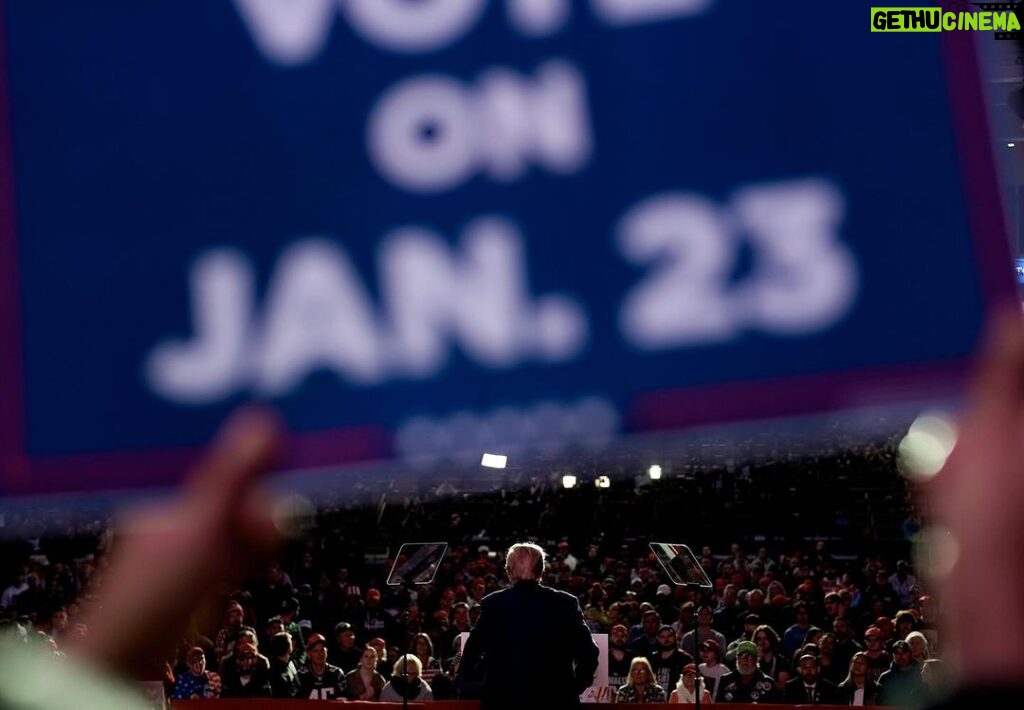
(808, 688)
(530, 643)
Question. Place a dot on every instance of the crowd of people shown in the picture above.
(796, 623)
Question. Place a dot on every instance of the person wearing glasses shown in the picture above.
(641, 686)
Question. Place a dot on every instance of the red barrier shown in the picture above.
(282, 704)
(279, 704)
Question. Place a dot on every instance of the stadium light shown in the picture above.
(568, 480)
(494, 460)
(603, 482)
(654, 472)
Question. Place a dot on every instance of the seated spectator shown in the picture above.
(905, 622)
(901, 684)
(748, 683)
(374, 621)
(881, 596)
(274, 626)
(755, 607)
(687, 688)
(794, 636)
(381, 647)
(846, 644)
(346, 653)
(283, 673)
(711, 667)
(619, 657)
(58, 625)
(879, 660)
(189, 640)
(727, 615)
(641, 686)
(833, 608)
(936, 681)
(750, 624)
(919, 647)
(808, 688)
(18, 585)
(813, 649)
(595, 612)
(245, 673)
(887, 628)
(644, 636)
(289, 622)
(320, 680)
(769, 661)
(406, 682)
(813, 637)
(365, 683)
(669, 660)
(705, 616)
(858, 688)
(196, 682)
(234, 615)
(423, 648)
(903, 582)
(684, 619)
(832, 667)
(444, 685)
(663, 603)
(928, 622)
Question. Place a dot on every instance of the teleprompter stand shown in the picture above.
(415, 563)
(684, 570)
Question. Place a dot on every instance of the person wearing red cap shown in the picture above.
(878, 659)
(711, 668)
(319, 680)
(686, 688)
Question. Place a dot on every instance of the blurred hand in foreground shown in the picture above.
(170, 558)
(977, 501)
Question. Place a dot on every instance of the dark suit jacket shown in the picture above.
(530, 645)
(796, 692)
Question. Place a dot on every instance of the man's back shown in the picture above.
(530, 644)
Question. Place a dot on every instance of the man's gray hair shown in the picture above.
(525, 560)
